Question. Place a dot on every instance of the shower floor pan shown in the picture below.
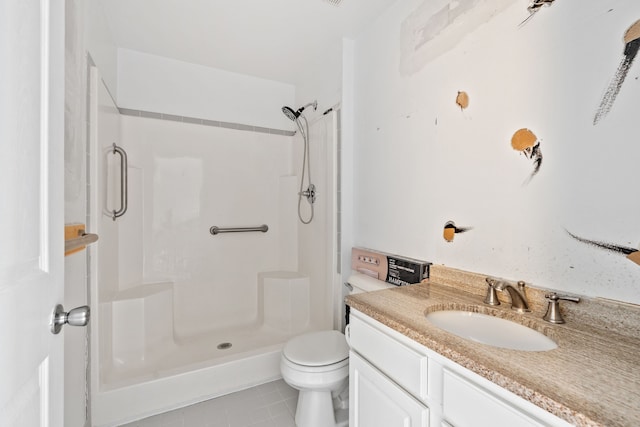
(186, 372)
(192, 353)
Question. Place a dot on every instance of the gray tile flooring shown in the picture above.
(268, 405)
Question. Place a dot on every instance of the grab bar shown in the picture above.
(124, 181)
(217, 230)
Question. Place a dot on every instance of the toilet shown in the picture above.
(317, 365)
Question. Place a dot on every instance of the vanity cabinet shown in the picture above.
(397, 382)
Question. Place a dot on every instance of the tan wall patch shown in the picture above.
(523, 139)
(635, 257)
(633, 32)
(462, 100)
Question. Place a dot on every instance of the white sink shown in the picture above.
(491, 330)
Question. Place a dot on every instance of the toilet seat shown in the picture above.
(317, 349)
(325, 369)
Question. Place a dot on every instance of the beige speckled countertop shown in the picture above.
(591, 379)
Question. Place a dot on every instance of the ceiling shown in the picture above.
(271, 39)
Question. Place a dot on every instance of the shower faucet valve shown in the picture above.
(309, 193)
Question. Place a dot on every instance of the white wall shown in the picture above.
(322, 81)
(163, 85)
(75, 208)
(86, 31)
(421, 161)
(100, 44)
(347, 162)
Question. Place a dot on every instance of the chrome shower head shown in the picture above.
(292, 115)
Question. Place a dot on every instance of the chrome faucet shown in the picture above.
(492, 296)
(518, 297)
(553, 314)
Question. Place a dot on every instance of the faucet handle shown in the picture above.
(555, 297)
(553, 314)
(492, 295)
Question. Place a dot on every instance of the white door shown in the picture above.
(31, 211)
(375, 401)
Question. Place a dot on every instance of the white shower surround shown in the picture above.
(167, 292)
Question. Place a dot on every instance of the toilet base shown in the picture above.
(315, 409)
(342, 417)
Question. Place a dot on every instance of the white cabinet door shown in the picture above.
(31, 211)
(375, 401)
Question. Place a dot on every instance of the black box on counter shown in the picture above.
(394, 269)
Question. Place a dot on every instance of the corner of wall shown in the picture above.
(101, 45)
(346, 156)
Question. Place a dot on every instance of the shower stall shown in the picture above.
(183, 314)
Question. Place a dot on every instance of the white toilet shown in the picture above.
(317, 365)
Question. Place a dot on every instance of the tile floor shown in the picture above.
(268, 405)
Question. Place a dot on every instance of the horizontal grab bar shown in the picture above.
(217, 230)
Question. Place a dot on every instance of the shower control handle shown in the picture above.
(309, 193)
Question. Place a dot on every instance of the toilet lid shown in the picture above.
(317, 348)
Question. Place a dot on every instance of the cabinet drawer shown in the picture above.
(466, 404)
(402, 364)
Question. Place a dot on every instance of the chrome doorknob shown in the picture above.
(79, 316)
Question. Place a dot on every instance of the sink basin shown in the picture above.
(491, 330)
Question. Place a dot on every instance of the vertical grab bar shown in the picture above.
(124, 181)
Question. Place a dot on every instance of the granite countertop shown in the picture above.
(591, 379)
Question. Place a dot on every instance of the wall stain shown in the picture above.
(632, 45)
(534, 7)
(435, 27)
(528, 144)
(450, 230)
(632, 254)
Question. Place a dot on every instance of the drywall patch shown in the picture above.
(632, 45)
(528, 144)
(436, 27)
(462, 100)
(450, 230)
(631, 253)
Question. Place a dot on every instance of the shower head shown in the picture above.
(288, 111)
(293, 115)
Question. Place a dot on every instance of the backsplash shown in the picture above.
(531, 173)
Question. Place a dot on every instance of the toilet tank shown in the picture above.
(359, 283)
